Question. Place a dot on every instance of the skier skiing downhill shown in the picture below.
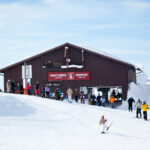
(102, 122)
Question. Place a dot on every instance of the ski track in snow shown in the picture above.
(29, 122)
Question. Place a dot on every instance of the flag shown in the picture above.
(65, 53)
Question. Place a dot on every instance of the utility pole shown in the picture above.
(25, 65)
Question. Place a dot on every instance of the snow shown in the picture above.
(141, 91)
(142, 78)
(72, 66)
(29, 122)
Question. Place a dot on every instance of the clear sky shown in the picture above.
(118, 27)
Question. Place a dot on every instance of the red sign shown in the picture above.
(58, 76)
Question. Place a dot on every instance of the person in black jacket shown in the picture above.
(93, 99)
(99, 100)
(21, 89)
(76, 95)
(130, 103)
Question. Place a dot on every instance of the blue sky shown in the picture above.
(118, 27)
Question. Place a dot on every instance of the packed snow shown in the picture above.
(35, 123)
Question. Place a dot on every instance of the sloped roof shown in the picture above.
(63, 45)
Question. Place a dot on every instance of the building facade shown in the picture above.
(72, 66)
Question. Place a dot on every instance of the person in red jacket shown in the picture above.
(36, 91)
(28, 88)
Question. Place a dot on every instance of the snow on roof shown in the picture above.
(106, 54)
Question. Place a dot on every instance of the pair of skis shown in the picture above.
(107, 128)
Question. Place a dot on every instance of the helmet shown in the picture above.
(103, 116)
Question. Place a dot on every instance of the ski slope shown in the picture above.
(34, 123)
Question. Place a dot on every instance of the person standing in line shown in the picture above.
(21, 89)
(62, 96)
(99, 100)
(103, 101)
(30, 91)
(138, 108)
(76, 95)
(36, 90)
(144, 109)
(82, 97)
(17, 91)
(28, 88)
(13, 86)
(59, 91)
(93, 101)
(47, 91)
(8, 86)
(37, 85)
(43, 93)
(56, 94)
(130, 103)
(112, 100)
(70, 92)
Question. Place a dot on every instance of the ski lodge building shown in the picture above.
(72, 66)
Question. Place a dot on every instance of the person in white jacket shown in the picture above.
(8, 86)
(69, 92)
(138, 108)
(103, 100)
(103, 123)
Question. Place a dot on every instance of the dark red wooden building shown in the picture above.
(72, 66)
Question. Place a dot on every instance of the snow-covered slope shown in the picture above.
(33, 123)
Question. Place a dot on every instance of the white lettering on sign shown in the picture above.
(81, 75)
(58, 75)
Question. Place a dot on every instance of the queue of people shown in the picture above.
(99, 100)
(17, 88)
(45, 92)
(13, 87)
